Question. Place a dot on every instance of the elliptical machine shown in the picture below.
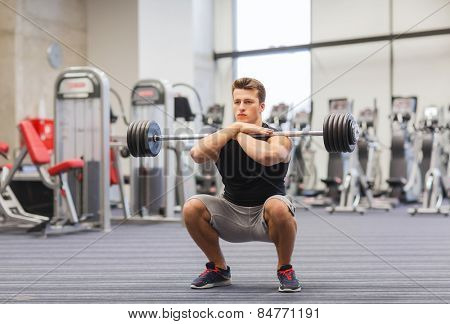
(355, 181)
(278, 115)
(336, 162)
(369, 159)
(350, 185)
(434, 190)
(405, 180)
(369, 148)
(446, 141)
(302, 174)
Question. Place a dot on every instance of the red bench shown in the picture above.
(39, 154)
(4, 148)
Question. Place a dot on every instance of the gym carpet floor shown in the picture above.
(341, 258)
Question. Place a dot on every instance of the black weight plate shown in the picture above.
(154, 147)
(331, 133)
(138, 137)
(341, 132)
(336, 139)
(351, 147)
(134, 135)
(131, 139)
(326, 133)
(136, 140)
(143, 138)
(344, 134)
(353, 133)
(338, 131)
(355, 130)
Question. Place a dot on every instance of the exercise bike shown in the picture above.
(434, 189)
(405, 180)
(302, 174)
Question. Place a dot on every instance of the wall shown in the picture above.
(203, 32)
(29, 77)
(223, 42)
(349, 71)
(422, 66)
(361, 72)
(176, 44)
(7, 77)
(342, 19)
(129, 40)
(112, 46)
(166, 40)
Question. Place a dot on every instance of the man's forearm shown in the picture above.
(261, 151)
(208, 148)
(258, 150)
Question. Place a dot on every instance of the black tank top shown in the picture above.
(247, 182)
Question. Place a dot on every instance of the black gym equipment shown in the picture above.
(214, 116)
(356, 182)
(340, 134)
(434, 187)
(302, 170)
(405, 179)
(337, 163)
(278, 115)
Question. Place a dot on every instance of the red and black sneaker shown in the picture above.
(288, 279)
(212, 277)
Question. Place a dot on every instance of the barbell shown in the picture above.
(340, 134)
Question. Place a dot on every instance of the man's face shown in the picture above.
(246, 105)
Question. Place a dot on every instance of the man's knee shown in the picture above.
(193, 211)
(278, 213)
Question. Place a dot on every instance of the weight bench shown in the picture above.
(4, 149)
(40, 157)
(11, 212)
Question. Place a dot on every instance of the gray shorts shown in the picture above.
(236, 223)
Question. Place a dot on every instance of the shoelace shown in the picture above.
(207, 271)
(287, 273)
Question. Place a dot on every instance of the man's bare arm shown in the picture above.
(208, 148)
(273, 151)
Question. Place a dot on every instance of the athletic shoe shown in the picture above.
(212, 277)
(288, 279)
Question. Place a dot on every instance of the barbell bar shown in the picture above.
(340, 134)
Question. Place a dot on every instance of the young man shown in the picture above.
(254, 206)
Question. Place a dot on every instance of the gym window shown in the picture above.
(261, 24)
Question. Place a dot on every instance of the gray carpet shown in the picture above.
(376, 258)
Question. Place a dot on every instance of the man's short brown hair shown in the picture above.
(250, 84)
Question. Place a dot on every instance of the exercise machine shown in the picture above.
(55, 178)
(278, 115)
(302, 174)
(336, 161)
(207, 179)
(405, 180)
(434, 189)
(12, 213)
(82, 129)
(160, 186)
